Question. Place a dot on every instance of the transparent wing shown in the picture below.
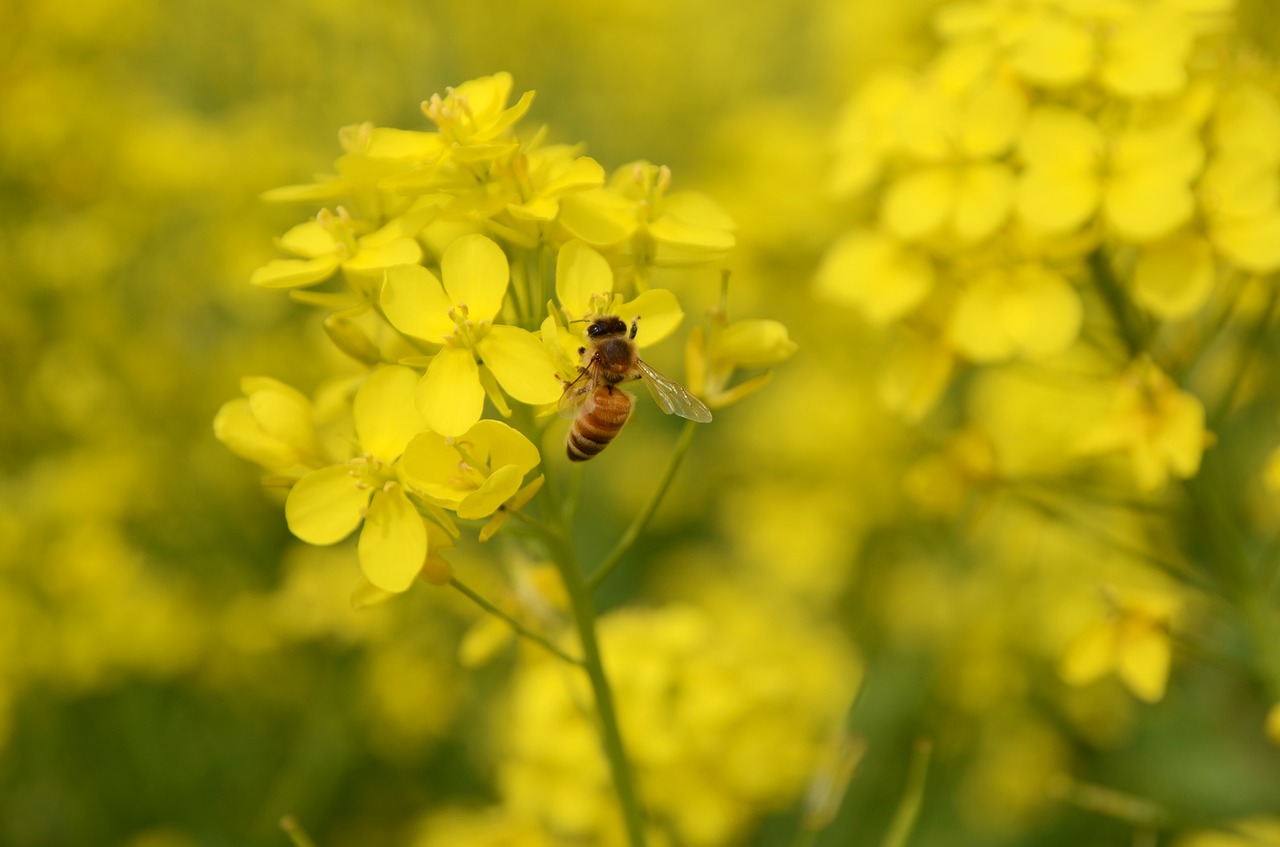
(576, 393)
(673, 398)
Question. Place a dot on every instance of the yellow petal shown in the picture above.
(521, 364)
(503, 445)
(1173, 279)
(975, 327)
(236, 426)
(1053, 203)
(449, 396)
(291, 273)
(598, 217)
(754, 344)
(873, 273)
(582, 172)
(1042, 312)
(1147, 54)
(984, 195)
(915, 373)
(1182, 435)
(476, 274)
(430, 465)
(375, 257)
(325, 506)
(580, 273)
(659, 315)
(309, 239)
(496, 490)
(1055, 52)
(1143, 660)
(992, 119)
(1149, 205)
(1253, 244)
(673, 232)
(385, 414)
(1091, 656)
(393, 543)
(696, 208)
(916, 205)
(415, 303)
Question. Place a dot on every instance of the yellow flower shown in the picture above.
(635, 218)
(1027, 311)
(1160, 427)
(876, 274)
(1241, 186)
(1140, 180)
(328, 504)
(473, 474)
(331, 242)
(273, 425)
(1133, 643)
(1174, 278)
(474, 116)
(961, 188)
(460, 315)
(714, 356)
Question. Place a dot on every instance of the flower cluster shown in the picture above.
(454, 266)
(1068, 223)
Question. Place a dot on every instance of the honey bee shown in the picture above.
(599, 405)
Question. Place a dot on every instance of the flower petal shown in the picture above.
(659, 313)
(393, 543)
(580, 273)
(385, 414)
(873, 273)
(501, 485)
(293, 273)
(476, 274)
(1173, 279)
(449, 396)
(415, 303)
(503, 445)
(430, 465)
(521, 364)
(325, 506)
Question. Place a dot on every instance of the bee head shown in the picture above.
(606, 325)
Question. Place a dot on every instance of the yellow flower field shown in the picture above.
(335, 511)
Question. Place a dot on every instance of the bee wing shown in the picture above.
(577, 393)
(673, 398)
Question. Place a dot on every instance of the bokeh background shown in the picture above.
(176, 670)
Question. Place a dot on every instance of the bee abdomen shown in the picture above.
(598, 424)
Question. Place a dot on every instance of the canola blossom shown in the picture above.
(980, 547)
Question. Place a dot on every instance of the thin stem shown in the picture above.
(642, 519)
(519, 628)
(296, 833)
(1113, 296)
(1225, 548)
(584, 616)
(1252, 346)
(908, 811)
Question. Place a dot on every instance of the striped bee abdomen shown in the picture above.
(598, 423)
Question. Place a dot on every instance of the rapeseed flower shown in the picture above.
(1158, 426)
(330, 503)
(1133, 643)
(477, 351)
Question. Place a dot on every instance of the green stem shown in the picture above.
(296, 833)
(632, 533)
(908, 811)
(519, 628)
(1225, 548)
(1253, 345)
(1114, 298)
(584, 616)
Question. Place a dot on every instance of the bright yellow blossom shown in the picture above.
(714, 356)
(1133, 643)
(328, 504)
(1160, 427)
(461, 314)
(472, 474)
(272, 425)
(331, 242)
(1027, 311)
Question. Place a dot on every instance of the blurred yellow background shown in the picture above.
(176, 670)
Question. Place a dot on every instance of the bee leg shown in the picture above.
(635, 325)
